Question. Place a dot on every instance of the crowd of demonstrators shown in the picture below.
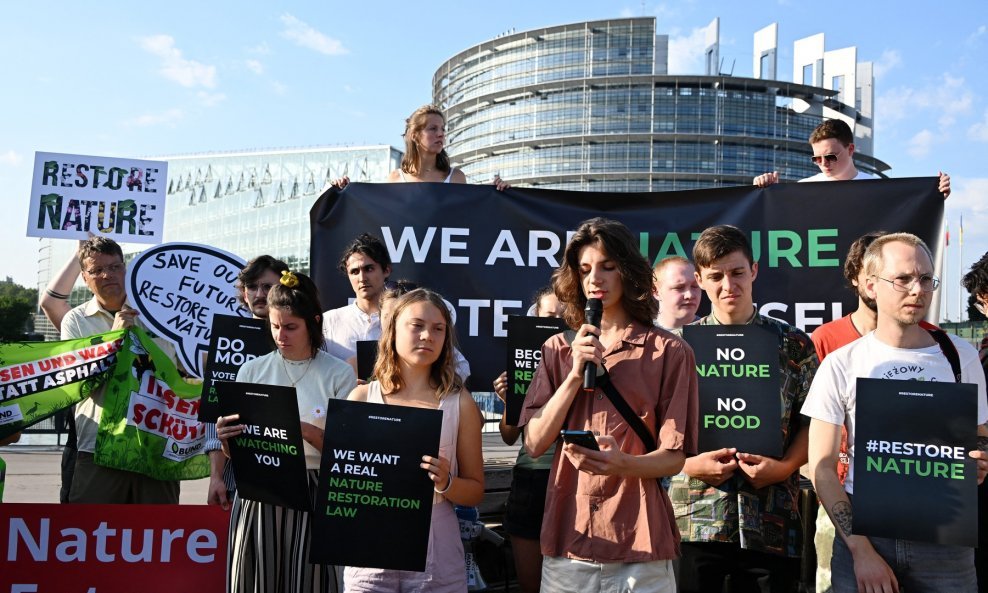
(833, 152)
(608, 525)
(724, 492)
(416, 368)
(269, 544)
(899, 278)
(254, 282)
(529, 476)
(678, 293)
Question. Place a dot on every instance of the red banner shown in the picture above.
(53, 548)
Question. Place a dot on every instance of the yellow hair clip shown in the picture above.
(288, 279)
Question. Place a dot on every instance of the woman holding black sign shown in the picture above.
(269, 544)
(416, 368)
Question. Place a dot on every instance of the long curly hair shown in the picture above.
(413, 127)
(619, 244)
(442, 375)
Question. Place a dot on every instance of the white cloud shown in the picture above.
(890, 60)
(305, 36)
(261, 49)
(979, 130)
(970, 194)
(974, 38)
(255, 66)
(210, 99)
(11, 158)
(626, 13)
(188, 73)
(945, 99)
(686, 52)
(921, 144)
(167, 117)
(279, 88)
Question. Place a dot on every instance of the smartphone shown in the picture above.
(583, 438)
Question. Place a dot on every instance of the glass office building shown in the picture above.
(590, 106)
(248, 203)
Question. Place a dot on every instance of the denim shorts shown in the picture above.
(918, 566)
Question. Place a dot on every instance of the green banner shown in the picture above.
(38, 379)
(150, 416)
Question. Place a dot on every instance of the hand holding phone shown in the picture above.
(583, 438)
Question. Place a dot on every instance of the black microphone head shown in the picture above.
(593, 311)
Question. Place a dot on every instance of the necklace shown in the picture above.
(294, 382)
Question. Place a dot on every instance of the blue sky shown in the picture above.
(138, 79)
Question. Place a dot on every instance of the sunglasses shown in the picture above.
(830, 158)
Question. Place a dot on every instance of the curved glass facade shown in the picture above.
(578, 107)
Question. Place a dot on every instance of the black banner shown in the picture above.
(232, 342)
(371, 487)
(486, 251)
(525, 338)
(366, 358)
(913, 478)
(268, 457)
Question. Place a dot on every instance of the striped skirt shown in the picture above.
(268, 551)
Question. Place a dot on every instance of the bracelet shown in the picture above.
(56, 295)
(446, 489)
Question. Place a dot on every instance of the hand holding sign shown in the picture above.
(178, 288)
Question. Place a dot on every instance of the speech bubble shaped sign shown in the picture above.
(178, 287)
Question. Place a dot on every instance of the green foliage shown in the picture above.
(16, 306)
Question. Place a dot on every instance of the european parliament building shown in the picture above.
(591, 106)
(584, 106)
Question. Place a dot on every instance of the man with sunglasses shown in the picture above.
(253, 284)
(899, 277)
(103, 270)
(833, 152)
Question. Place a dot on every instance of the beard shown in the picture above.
(868, 301)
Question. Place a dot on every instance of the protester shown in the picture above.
(367, 264)
(103, 270)
(529, 477)
(976, 284)
(899, 277)
(608, 524)
(268, 546)
(737, 511)
(415, 368)
(833, 151)
(678, 294)
(254, 282)
(425, 157)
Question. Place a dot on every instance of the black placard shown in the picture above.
(268, 458)
(371, 485)
(366, 358)
(232, 342)
(738, 371)
(525, 338)
(902, 490)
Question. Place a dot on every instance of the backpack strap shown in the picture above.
(633, 420)
(949, 350)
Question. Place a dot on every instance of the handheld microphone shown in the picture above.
(593, 313)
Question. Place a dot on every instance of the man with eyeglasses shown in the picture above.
(253, 284)
(833, 152)
(899, 277)
(104, 271)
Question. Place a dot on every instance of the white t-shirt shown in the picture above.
(823, 177)
(316, 382)
(345, 326)
(832, 396)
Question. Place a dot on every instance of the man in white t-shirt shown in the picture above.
(367, 264)
(899, 277)
(833, 151)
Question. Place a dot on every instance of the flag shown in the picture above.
(946, 241)
(960, 233)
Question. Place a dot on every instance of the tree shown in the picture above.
(17, 303)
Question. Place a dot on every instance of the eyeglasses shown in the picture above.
(907, 283)
(255, 287)
(109, 270)
(830, 158)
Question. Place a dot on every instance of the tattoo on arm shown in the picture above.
(841, 513)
